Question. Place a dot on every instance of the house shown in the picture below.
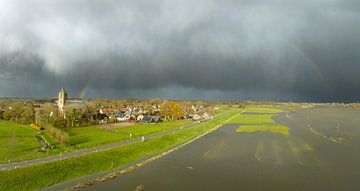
(121, 117)
(107, 111)
(156, 119)
(103, 118)
(206, 116)
(128, 111)
(151, 119)
(196, 117)
(140, 117)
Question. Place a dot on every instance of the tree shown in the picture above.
(20, 113)
(13, 112)
(172, 109)
(74, 116)
(177, 110)
(165, 109)
(27, 114)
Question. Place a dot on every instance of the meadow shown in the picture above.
(92, 136)
(18, 142)
(258, 109)
(252, 119)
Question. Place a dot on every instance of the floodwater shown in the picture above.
(322, 152)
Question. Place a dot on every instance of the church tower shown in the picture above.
(61, 100)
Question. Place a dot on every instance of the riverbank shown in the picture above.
(44, 175)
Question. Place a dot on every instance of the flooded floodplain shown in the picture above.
(319, 151)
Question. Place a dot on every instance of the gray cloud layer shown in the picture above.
(301, 50)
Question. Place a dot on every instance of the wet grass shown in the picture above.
(252, 119)
(44, 175)
(279, 129)
(264, 110)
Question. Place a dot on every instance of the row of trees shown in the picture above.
(47, 113)
(19, 112)
(73, 116)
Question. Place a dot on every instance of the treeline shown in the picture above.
(19, 112)
(46, 113)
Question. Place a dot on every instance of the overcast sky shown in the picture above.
(282, 50)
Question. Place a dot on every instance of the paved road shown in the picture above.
(62, 156)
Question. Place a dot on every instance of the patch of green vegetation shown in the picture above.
(294, 148)
(280, 129)
(18, 142)
(307, 147)
(264, 109)
(44, 175)
(259, 154)
(92, 136)
(278, 152)
(252, 119)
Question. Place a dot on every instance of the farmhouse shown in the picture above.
(122, 117)
(151, 119)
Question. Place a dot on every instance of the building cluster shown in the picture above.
(140, 113)
(137, 113)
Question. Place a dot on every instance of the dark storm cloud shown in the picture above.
(267, 50)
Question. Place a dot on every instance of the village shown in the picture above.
(56, 120)
(154, 112)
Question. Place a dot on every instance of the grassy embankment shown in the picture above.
(261, 122)
(92, 136)
(270, 110)
(252, 119)
(44, 175)
(18, 142)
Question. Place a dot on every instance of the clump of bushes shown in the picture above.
(59, 135)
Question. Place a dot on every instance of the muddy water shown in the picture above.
(226, 160)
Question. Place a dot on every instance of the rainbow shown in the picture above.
(312, 63)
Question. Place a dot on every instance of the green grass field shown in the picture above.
(259, 115)
(256, 109)
(280, 129)
(252, 119)
(18, 142)
(92, 136)
(44, 175)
